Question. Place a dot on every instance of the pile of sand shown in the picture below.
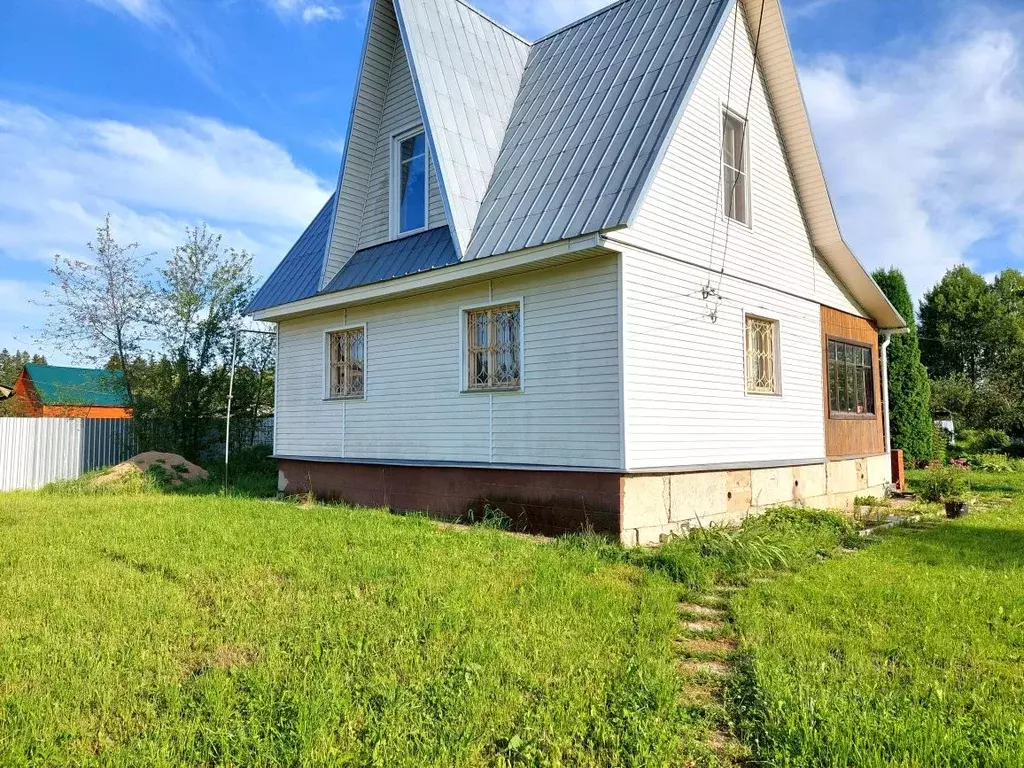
(175, 469)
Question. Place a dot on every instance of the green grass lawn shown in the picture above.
(910, 653)
(197, 630)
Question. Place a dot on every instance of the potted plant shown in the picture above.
(948, 486)
(956, 508)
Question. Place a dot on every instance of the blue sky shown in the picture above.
(168, 112)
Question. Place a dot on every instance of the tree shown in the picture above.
(199, 308)
(909, 389)
(11, 364)
(99, 309)
(961, 325)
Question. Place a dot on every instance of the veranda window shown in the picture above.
(851, 379)
(494, 348)
(347, 363)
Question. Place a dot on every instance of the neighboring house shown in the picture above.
(595, 279)
(5, 392)
(51, 390)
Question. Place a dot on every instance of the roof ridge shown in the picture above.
(576, 23)
(494, 21)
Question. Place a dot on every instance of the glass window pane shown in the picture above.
(412, 192)
(729, 141)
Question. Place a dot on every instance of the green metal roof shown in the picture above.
(56, 385)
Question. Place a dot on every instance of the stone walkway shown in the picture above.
(706, 648)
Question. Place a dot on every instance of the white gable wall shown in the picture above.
(567, 415)
(686, 401)
(385, 104)
(682, 214)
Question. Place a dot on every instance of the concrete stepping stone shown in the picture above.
(702, 611)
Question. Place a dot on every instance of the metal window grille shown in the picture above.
(347, 363)
(494, 347)
(762, 360)
(734, 168)
(851, 379)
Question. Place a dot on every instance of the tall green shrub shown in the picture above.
(909, 388)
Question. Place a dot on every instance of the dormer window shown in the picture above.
(408, 183)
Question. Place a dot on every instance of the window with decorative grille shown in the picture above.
(493, 347)
(762, 357)
(734, 168)
(347, 363)
(851, 379)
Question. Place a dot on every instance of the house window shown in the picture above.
(494, 348)
(409, 183)
(346, 363)
(734, 168)
(762, 356)
(851, 379)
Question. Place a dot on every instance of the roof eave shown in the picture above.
(775, 56)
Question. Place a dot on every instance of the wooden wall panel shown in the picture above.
(851, 437)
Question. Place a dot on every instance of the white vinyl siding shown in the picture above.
(385, 104)
(683, 213)
(566, 414)
(686, 395)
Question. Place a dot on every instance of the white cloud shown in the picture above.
(147, 11)
(925, 153)
(62, 174)
(808, 8)
(310, 11)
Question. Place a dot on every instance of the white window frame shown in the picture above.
(394, 204)
(727, 112)
(326, 366)
(464, 312)
(777, 344)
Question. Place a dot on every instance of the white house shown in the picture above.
(595, 279)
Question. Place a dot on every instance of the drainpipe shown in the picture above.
(886, 340)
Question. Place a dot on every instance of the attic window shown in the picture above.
(408, 183)
(735, 168)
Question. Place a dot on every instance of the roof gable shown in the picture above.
(569, 145)
(56, 385)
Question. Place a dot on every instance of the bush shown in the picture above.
(943, 484)
(970, 442)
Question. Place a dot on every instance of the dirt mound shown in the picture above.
(173, 469)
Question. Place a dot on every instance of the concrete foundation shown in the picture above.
(654, 506)
(639, 509)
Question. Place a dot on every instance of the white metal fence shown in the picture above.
(34, 452)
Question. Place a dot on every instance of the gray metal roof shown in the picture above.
(298, 275)
(398, 258)
(467, 71)
(597, 107)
